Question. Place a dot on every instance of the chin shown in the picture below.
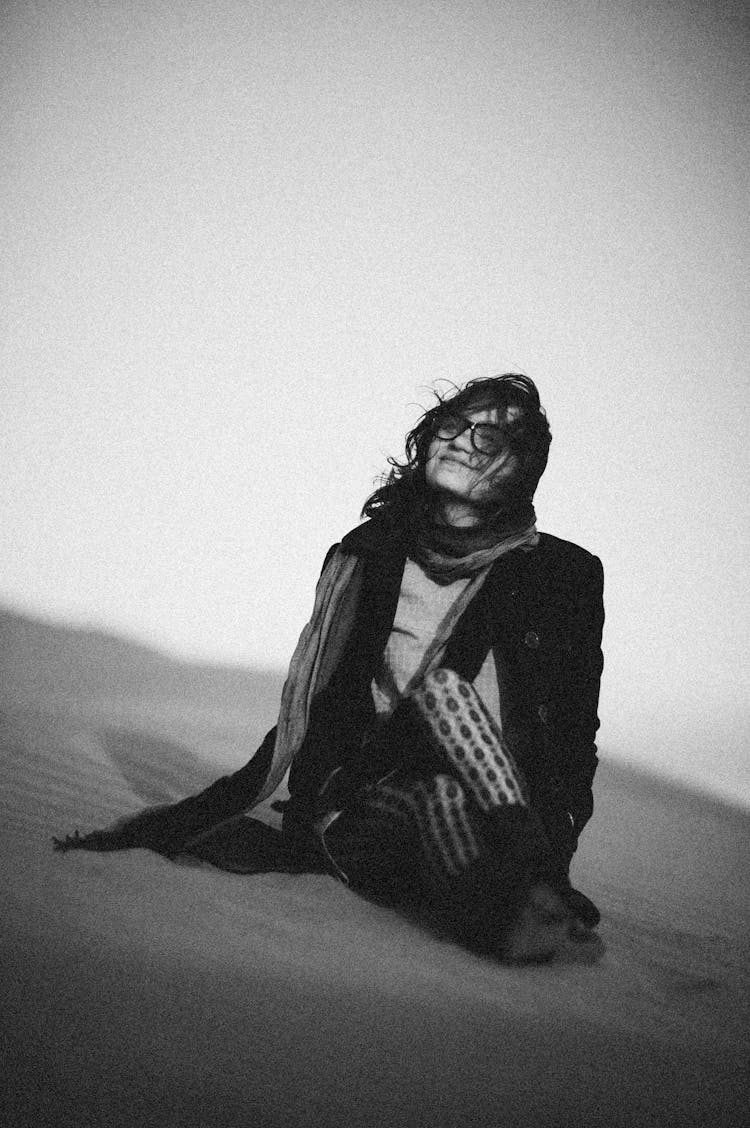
(452, 478)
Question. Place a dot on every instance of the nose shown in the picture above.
(462, 441)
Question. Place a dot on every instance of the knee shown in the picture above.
(441, 690)
(438, 681)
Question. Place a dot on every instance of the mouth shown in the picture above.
(457, 461)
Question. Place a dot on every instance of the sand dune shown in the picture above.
(140, 992)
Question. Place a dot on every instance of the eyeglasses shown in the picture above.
(487, 438)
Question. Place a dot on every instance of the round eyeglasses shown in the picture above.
(487, 438)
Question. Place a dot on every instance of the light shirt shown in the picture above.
(423, 606)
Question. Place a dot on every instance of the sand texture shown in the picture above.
(141, 992)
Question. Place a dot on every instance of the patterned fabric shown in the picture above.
(455, 834)
(437, 810)
(459, 722)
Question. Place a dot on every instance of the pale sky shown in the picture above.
(242, 241)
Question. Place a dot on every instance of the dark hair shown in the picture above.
(528, 434)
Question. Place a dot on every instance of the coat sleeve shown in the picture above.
(168, 828)
(580, 712)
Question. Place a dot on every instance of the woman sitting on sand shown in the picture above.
(440, 710)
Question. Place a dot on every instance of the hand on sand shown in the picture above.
(546, 929)
(125, 833)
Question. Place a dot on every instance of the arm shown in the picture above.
(580, 720)
(568, 805)
(168, 828)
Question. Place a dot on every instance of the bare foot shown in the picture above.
(584, 945)
(541, 929)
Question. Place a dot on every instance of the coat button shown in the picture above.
(531, 638)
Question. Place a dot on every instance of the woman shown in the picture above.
(441, 706)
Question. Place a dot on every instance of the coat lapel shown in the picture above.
(383, 557)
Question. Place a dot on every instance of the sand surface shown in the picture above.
(141, 992)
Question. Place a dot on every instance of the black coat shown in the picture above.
(541, 613)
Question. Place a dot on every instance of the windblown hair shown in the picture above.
(528, 435)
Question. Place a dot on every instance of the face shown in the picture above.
(464, 477)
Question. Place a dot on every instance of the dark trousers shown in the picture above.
(434, 819)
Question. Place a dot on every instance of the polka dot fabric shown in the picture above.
(458, 722)
(448, 833)
(436, 808)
